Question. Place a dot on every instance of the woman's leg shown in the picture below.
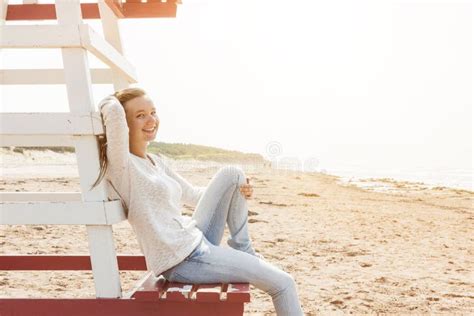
(223, 203)
(209, 263)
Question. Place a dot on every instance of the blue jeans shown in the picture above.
(223, 203)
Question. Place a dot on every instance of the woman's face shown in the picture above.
(142, 120)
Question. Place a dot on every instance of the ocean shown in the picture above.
(446, 176)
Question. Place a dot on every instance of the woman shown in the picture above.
(181, 248)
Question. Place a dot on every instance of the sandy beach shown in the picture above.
(388, 247)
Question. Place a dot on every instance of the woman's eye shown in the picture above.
(140, 115)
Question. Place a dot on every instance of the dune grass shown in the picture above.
(177, 151)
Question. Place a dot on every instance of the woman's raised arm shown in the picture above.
(116, 131)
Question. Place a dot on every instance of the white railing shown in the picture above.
(79, 128)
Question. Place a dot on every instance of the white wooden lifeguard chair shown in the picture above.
(80, 128)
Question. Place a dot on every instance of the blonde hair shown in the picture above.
(123, 96)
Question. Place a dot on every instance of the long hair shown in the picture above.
(123, 96)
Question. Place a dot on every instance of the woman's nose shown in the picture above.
(152, 119)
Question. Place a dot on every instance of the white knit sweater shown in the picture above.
(152, 193)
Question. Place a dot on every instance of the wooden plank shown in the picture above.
(39, 196)
(79, 90)
(178, 292)
(67, 36)
(19, 12)
(36, 140)
(114, 213)
(147, 2)
(110, 27)
(80, 99)
(61, 213)
(3, 13)
(149, 288)
(97, 45)
(49, 76)
(89, 123)
(132, 262)
(39, 36)
(115, 307)
(238, 292)
(104, 261)
(46, 11)
(208, 292)
(115, 6)
(150, 10)
(112, 36)
(65, 262)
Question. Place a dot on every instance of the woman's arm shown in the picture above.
(116, 130)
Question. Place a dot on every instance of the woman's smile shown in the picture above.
(150, 130)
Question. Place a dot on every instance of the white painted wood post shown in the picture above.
(3, 12)
(79, 89)
(3, 16)
(111, 30)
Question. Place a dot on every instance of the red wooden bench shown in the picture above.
(151, 296)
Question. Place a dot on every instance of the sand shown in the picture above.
(388, 247)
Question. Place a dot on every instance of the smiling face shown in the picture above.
(142, 120)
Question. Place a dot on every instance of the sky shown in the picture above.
(375, 83)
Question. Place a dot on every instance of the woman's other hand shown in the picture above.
(246, 190)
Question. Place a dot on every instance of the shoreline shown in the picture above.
(391, 185)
